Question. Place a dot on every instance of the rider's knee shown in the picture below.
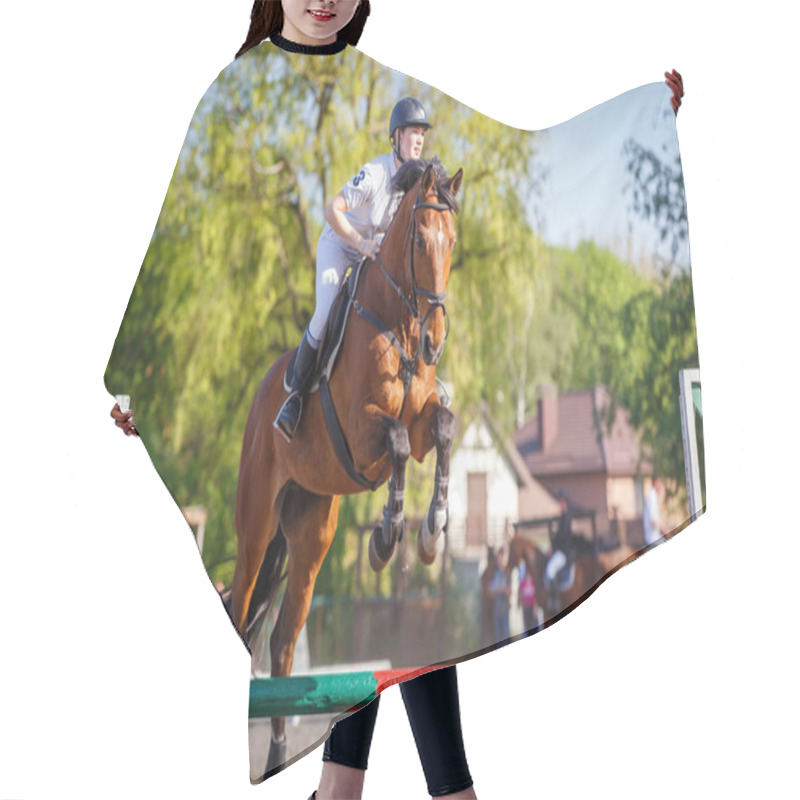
(330, 277)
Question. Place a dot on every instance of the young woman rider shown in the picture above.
(355, 223)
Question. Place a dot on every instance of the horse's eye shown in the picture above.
(420, 241)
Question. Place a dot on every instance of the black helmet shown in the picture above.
(408, 111)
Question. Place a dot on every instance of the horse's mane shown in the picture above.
(411, 171)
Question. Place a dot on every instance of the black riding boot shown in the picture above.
(289, 416)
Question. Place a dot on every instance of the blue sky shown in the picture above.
(582, 196)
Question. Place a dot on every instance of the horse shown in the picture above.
(386, 403)
(555, 602)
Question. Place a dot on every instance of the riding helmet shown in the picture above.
(408, 111)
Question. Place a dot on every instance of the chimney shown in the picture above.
(548, 415)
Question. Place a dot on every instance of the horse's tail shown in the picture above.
(269, 579)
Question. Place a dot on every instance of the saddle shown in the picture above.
(328, 352)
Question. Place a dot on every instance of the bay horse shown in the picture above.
(589, 571)
(592, 567)
(385, 397)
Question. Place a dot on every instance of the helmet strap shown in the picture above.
(396, 146)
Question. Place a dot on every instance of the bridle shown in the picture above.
(408, 363)
(435, 300)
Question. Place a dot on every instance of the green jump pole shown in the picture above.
(322, 694)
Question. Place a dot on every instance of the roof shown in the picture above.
(501, 444)
(511, 453)
(582, 443)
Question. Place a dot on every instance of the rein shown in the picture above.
(408, 363)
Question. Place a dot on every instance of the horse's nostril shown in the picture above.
(430, 352)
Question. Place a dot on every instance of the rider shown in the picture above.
(356, 222)
(562, 543)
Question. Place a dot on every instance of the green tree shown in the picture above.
(227, 284)
(660, 339)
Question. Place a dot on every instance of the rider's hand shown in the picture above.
(369, 248)
(124, 420)
(675, 82)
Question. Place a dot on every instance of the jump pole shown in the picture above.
(322, 694)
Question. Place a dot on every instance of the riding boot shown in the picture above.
(289, 416)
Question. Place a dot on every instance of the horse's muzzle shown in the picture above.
(430, 353)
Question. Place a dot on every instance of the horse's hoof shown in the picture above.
(276, 759)
(379, 553)
(426, 541)
(427, 558)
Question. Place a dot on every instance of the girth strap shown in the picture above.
(337, 437)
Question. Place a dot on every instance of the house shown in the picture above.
(488, 478)
(567, 447)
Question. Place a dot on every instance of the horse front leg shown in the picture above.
(386, 535)
(436, 428)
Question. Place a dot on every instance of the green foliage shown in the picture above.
(657, 194)
(592, 286)
(228, 281)
(658, 340)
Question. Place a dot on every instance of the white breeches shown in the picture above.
(554, 566)
(333, 259)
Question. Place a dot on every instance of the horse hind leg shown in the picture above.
(257, 518)
(267, 583)
(435, 521)
(309, 524)
(385, 536)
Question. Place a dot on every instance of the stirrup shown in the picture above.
(281, 425)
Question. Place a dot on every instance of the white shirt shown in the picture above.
(371, 204)
(652, 531)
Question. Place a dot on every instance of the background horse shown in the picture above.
(592, 566)
(385, 397)
(588, 572)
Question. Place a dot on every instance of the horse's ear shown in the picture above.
(427, 182)
(454, 183)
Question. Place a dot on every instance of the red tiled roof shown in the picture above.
(581, 444)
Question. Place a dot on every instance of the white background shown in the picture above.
(119, 675)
